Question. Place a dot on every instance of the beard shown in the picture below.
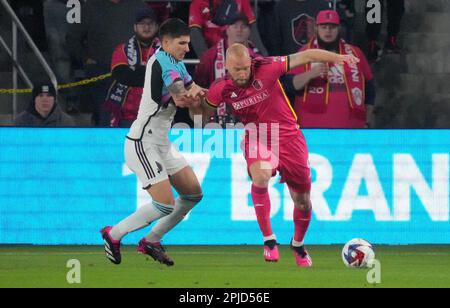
(332, 46)
(145, 41)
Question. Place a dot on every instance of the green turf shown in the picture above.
(221, 267)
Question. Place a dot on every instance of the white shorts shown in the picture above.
(153, 163)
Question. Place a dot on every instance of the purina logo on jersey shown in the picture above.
(257, 84)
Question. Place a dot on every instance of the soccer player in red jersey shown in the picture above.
(273, 141)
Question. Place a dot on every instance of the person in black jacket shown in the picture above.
(43, 110)
(395, 12)
(128, 68)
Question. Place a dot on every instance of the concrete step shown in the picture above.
(420, 42)
(416, 22)
(431, 6)
(399, 109)
(416, 6)
(437, 62)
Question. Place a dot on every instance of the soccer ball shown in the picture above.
(358, 253)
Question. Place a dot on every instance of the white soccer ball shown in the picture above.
(358, 253)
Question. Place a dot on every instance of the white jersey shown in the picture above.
(157, 109)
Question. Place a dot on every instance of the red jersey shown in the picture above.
(263, 101)
(200, 16)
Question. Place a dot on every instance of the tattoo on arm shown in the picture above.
(177, 88)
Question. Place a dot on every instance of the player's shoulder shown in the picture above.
(164, 58)
(219, 83)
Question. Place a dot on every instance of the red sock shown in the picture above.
(261, 202)
(301, 223)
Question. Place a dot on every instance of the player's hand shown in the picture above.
(196, 92)
(349, 59)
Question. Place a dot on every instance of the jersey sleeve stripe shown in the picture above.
(209, 103)
(288, 102)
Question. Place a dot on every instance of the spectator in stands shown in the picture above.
(347, 12)
(332, 96)
(395, 11)
(128, 67)
(294, 24)
(43, 110)
(212, 63)
(56, 28)
(208, 20)
(163, 9)
(105, 24)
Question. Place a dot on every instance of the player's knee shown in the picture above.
(304, 205)
(261, 178)
(192, 199)
(168, 201)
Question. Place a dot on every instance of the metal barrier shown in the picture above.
(18, 26)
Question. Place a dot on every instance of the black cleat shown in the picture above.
(112, 247)
(156, 251)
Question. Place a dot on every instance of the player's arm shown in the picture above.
(319, 55)
(195, 91)
(204, 109)
(179, 93)
(185, 96)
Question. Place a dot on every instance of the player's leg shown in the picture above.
(186, 184)
(295, 171)
(302, 219)
(261, 172)
(144, 161)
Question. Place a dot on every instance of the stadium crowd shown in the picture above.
(322, 95)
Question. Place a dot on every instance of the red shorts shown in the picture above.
(290, 159)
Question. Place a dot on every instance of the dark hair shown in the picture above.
(174, 28)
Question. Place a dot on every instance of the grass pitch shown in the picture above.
(221, 267)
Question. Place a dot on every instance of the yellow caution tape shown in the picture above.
(60, 87)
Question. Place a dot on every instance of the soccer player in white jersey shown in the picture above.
(149, 153)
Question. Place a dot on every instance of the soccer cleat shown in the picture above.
(112, 247)
(156, 251)
(271, 253)
(302, 257)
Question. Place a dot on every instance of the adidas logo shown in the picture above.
(205, 10)
(234, 95)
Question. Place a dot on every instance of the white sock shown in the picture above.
(297, 244)
(182, 206)
(140, 219)
(270, 237)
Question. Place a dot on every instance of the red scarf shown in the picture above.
(317, 93)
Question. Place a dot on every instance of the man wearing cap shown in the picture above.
(212, 63)
(104, 25)
(330, 95)
(128, 67)
(43, 110)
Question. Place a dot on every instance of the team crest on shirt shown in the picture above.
(257, 84)
(357, 96)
